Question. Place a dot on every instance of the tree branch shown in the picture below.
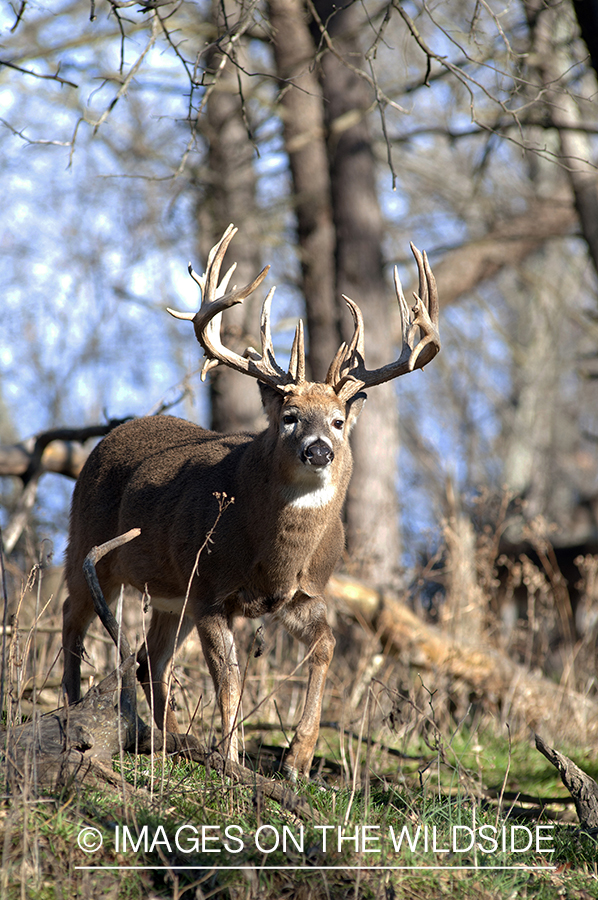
(55, 77)
(508, 243)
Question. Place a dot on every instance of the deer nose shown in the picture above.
(317, 454)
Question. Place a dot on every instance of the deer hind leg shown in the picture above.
(154, 658)
(306, 621)
(218, 646)
(77, 614)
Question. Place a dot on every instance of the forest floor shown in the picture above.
(423, 785)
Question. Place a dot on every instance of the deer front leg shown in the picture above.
(154, 658)
(306, 621)
(218, 646)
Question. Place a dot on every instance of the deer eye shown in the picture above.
(290, 419)
(338, 423)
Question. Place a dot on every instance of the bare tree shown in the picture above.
(372, 507)
(226, 193)
(551, 32)
(490, 133)
(302, 112)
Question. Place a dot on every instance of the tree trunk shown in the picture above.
(586, 12)
(230, 196)
(537, 434)
(551, 33)
(372, 506)
(303, 117)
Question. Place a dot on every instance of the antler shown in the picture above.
(207, 323)
(348, 374)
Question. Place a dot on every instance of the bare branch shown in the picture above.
(17, 21)
(18, 521)
(130, 75)
(27, 140)
(380, 95)
(55, 77)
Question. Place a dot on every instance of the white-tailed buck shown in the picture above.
(274, 548)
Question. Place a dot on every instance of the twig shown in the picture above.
(19, 16)
(4, 623)
(504, 781)
(56, 77)
(223, 503)
(357, 764)
(355, 69)
(128, 78)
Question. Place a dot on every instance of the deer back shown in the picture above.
(281, 533)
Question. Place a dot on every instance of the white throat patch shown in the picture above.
(310, 493)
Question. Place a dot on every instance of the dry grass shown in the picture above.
(389, 738)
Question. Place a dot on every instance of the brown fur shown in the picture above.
(267, 555)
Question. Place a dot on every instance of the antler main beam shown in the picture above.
(348, 373)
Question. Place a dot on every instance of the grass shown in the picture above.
(407, 797)
(184, 831)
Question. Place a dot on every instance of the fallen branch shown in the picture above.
(518, 694)
(128, 695)
(582, 788)
(59, 450)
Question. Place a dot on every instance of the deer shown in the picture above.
(281, 535)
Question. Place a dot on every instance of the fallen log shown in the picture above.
(52, 749)
(75, 743)
(519, 696)
(582, 788)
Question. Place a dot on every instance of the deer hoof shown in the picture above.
(294, 767)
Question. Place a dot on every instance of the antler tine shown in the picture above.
(215, 298)
(349, 371)
(426, 309)
(334, 369)
(208, 282)
(297, 361)
(421, 270)
(207, 365)
(351, 353)
(433, 304)
(357, 344)
(268, 357)
(403, 308)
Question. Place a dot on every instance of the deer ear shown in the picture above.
(271, 400)
(354, 407)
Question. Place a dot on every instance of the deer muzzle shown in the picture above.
(318, 454)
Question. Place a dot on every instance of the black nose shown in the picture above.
(317, 454)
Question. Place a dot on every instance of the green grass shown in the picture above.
(447, 781)
(191, 825)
